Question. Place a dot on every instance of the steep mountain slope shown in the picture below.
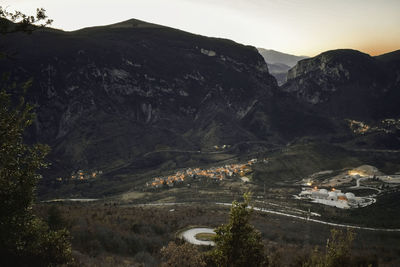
(279, 63)
(392, 62)
(346, 84)
(107, 95)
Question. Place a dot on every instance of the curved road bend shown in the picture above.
(190, 236)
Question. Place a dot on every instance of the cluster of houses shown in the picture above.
(85, 175)
(386, 125)
(358, 127)
(222, 147)
(216, 173)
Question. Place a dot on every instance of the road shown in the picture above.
(190, 236)
(371, 150)
(194, 232)
(233, 147)
(71, 200)
(358, 181)
(358, 186)
(284, 214)
(318, 221)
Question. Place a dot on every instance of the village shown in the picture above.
(216, 174)
(386, 126)
(81, 175)
(373, 181)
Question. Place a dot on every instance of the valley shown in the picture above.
(154, 132)
(275, 177)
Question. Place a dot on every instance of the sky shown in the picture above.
(299, 27)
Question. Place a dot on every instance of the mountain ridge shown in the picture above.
(346, 82)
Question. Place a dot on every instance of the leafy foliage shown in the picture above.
(182, 255)
(238, 243)
(22, 22)
(25, 240)
(337, 252)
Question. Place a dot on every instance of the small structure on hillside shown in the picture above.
(334, 198)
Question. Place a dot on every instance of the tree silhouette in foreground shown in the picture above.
(337, 251)
(238, 243)
(25, 240)
(11, 22)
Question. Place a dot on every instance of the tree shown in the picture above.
(238, 243)
(11, 22)
(337, 251)
(25, 240)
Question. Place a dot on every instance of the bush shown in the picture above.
(181, 255)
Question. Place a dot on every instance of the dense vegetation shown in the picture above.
(112, 235)
(25, 239)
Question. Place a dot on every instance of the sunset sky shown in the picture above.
(300, 27)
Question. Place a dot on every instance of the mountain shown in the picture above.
(347, 84)
(275, 57)
(392, 62)
(135, 99)
(279, 63)
(105, 96)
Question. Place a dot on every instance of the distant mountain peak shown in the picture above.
(134, 23)
(131, 23)
(279, 63)
(273, 57)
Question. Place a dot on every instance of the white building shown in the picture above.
(321, 194)
(332, 196)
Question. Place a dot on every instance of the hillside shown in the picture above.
(108, 95)
(346, 84)
(133, 100)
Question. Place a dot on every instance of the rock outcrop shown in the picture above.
(345, 84)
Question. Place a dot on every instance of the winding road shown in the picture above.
(190, 236)
(359, 186)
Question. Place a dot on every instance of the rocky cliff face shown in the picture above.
(107, 95)
(345, 83)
